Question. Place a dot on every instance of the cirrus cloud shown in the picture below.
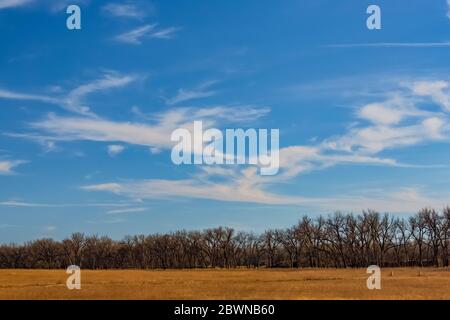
(7, 166)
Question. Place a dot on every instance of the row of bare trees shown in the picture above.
(339, 240)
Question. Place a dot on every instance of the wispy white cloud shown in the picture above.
(90, 175)
(14, 203)
(7, 166)
(201, 91)
(438, 91)
(393, 45)
(149, 31)
(110, 80)
(126, 210)
(111, 187)
(135, 10)
(6, 94)
(396, 122)
(394, 200)
(25, 204)
(448, 9)
(193, 188)
(154, 150)
(4, 4)
(166, 33)
(155, 134)
(74, 100)
(391, 111)
(135, 36)
(115, 149)
(94, 129)
(376, 138)
(392, 123)
(57, 5)
(246, 193)
(51, 5)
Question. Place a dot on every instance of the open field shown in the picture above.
(226, 284)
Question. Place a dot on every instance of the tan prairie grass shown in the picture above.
(398, 283)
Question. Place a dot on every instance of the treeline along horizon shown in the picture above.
(338, 241)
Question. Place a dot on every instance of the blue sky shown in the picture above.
(86, 115)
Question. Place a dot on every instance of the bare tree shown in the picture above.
(338, 240)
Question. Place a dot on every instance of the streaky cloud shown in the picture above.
(7, 166)
(392, 45)
(5, 4)
(24, 204)
(149, 31)
(74, 100)
(132, 10)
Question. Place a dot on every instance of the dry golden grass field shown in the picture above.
(226, 284)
